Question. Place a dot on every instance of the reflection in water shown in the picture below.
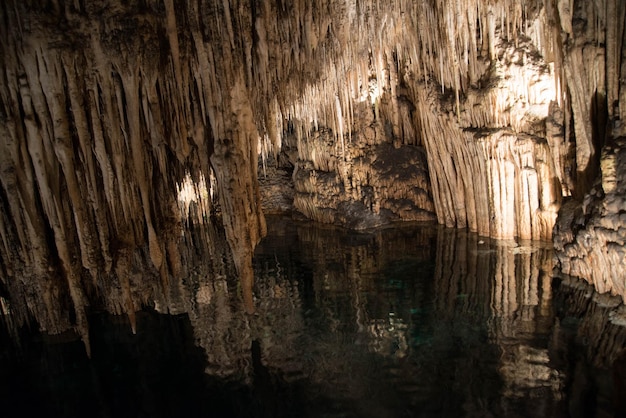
(506, 288)
(417, 321)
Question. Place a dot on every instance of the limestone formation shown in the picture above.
(482, 114)
(365, 184)
(591, 239)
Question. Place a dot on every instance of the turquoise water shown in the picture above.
(415, 321)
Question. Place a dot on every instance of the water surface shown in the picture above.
(414, 321)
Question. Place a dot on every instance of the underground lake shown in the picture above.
(402, 321)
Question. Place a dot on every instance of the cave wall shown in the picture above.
(481, 95)
(590, 234)
(106, 106)
(366, 183)
(590, 239)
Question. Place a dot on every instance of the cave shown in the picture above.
(219, 173)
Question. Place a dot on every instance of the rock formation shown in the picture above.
(481, 114)
(590, 236)
(590, 239)
(379, 183)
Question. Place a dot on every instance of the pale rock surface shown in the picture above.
(108, 107)
(590, 234)
(590, 240)
(366, 183)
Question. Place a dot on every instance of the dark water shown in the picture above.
(399, 322)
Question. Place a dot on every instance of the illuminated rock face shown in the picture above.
(591, 240)
(365, 183)
(107, 106)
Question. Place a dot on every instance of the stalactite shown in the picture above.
(104, 109)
